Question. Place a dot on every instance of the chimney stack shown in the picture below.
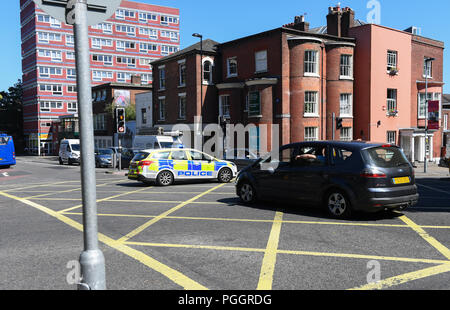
(339, 21)
(299, 23)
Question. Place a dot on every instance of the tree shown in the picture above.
(11, 113)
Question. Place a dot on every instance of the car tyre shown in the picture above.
(225, 175)
(165, 178)
(61, 161)
(337, 204)
(247, 192)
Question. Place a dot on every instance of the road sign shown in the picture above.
(64, 10)
(433, 114)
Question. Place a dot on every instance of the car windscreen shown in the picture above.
(75, 147)
(386, 157)
(168, 145)
(105, 152)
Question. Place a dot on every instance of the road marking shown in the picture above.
(407, 277)
(64, 183)
(172, 274)
(436, 244)
(106, 199)
(163, 215)
(270, 256)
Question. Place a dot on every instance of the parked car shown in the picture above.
(69, 152)
(103, 158)
(340, 176)
(241, 157)
(126, 156)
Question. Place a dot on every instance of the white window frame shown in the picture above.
(71, 73)
(210, 72)
(346, 66)
(182, 106)
(311, 104)
(72, 106)
(427, 68)
(162, 77)
(311, 134)
(445, 122)
(162, 111)
(421, 105)
(47, 71)
(391, 103)
(346, 105)
(391, 137)
(224, 106)
(311, 63)
(392, 60)
(346, 134)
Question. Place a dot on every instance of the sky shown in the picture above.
(224, 21)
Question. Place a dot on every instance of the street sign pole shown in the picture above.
(92, 260)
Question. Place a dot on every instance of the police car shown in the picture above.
(165, 166)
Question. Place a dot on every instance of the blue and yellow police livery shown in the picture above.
(166, 166)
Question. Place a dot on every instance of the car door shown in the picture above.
(309, 174)
(180, 164)
(202, 164)
(273, 177)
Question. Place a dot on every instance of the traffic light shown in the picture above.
(120, 120)
(339, 123)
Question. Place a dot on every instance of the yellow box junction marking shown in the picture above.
(172, 274)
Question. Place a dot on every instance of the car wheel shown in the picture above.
(247, 193)
(337, 204)
(225, 175)
(165, 178)
(61, 161)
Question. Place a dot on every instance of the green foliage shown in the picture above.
(130, 111)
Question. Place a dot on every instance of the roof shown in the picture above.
(352, 145)
(123, 85)
(445, 98)
(324, 29)
(209, 46)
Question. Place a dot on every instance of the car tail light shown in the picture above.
(145, 163)
(14, 155)
(373, 174)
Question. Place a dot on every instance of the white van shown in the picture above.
(156, 142)
(69, 152)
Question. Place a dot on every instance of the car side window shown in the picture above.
(311, 156)
(196, 155)
(341, 156)
(161, 155)
(179, 155)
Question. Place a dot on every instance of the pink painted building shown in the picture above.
(121, 47)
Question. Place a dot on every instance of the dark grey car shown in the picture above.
(340, 176)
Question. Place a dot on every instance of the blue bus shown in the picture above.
(7, 151)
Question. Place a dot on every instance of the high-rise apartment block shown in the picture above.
(120, 47)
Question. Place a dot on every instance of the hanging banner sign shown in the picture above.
(433, 115)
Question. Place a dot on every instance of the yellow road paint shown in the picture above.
(432, 241)
(407, 277)
(106, 199)
(270, 256)
(163, 215)
(172, 274)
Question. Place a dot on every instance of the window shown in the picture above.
(99, 122)
(55, 89)
(392, 137)
(182, 74)
(224, 106)
(445, 124)
(47, 106)
(129, 61)
(162, 108)
(146, 78)
(71, 74)
(47, 71)
(121, 14)
(173, 36)
(100, 75)
(311, 103)
(147, 47)
(168, 19)
(55, 56)
(144, 116)
(70, 55)
(346, 66)
(232, 67)
(145, 61)
(391, 101)
(261, 61)
(131, 31)
(311, 63)
(105, 27)
(254, 104)
(123, 77)
(346, 105)
(182, 107)
(70, 40)
(207, 72)
(311, 134)
(427, 68)
(179, 155)
(72, 107)
(46, 37)
(162, 78)
(144, 17)
(71, 89)
(105, 59)
(422, 108)
(391, 60)
(99, 43)
(168, 49)
(346, 134)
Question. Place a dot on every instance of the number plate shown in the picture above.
(404, 180)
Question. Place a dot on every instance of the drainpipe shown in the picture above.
(323, 130)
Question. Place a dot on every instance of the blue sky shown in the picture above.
(227, 20)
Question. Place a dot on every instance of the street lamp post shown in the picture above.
(425, 165)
